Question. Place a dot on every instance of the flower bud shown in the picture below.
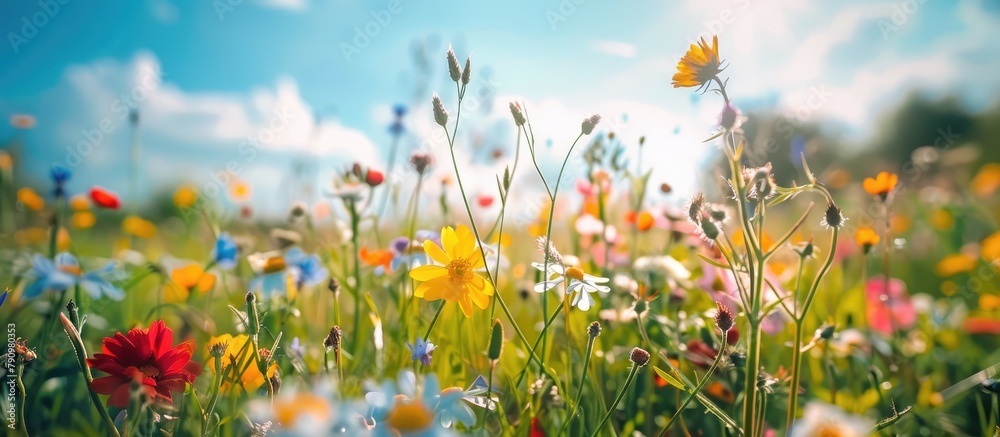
(275, 381)
(454, 69)
(717, 212)
(374, 178)
(826, 331)
(440, 114)
(420, 161)
(587, 127)
(639, 356)
(990, 385)
(496, 340)
(333, 286)
(739, 359)
(730, 116)
(594, 330)
(217, 350)
(709, 229)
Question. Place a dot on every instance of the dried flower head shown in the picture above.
(334, 339)
(723, 317)
(440, 114)
(587, 127)
(333, 286)
(833, 217)
(694, 207)
(420, 161)
(594, 329)
(717, 212)
(639, 356)
(217, 350)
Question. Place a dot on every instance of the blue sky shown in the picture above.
(212, 75)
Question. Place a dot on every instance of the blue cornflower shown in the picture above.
(224, 253)
(307, 268)
(399, 109)
(422, 350)
(3, 297)
(60, 175)
(65, 273)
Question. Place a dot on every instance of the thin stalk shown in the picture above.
(356, 340)
(698, 388)
(583, 383)
(621, 394)
(437, 314)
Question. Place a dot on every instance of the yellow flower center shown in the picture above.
(574, 273)
(459, 270)
(73, 270)
(273, 265)
(829, 430)
(407, 417)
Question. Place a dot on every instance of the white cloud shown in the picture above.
(614, 48)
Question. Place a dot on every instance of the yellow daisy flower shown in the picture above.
(455, 279)
(699, 65)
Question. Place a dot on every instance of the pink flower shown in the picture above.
(889, 309)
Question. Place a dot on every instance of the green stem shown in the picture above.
(356, 334)
(437, 314)
(534, 346)
(621, 394)
(217, 387)
(698, 388)
(583, 383)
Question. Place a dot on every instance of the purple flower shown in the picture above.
(422, 351)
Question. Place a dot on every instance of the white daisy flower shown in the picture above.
(578, 281)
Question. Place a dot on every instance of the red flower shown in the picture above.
(147, 356)
(104, 198)
(485, 200)
(374, 178)
(536, 428)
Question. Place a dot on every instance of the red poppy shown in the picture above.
(104, 198)
(536, 428)
(374, 178)
(485, 200)
(147, 356)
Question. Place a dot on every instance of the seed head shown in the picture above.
(333, 286)
(334, 339)
(717, 212)
(467, 72)
(217, 350)
(587, 127)
(833, 217)
(724, 317)
(515, 110)
(639, 356)
(440, 114)
(454, 69)
(694, 207)
(594, 330)
(549, 250)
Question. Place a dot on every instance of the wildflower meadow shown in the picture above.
(496, 270)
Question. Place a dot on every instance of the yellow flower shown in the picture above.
(409, 416)
(954, 264)
(82, 220)
(941, 219)
(30, 199)
(288, 409)
(28, 236)
(137, 227)
(62, 240)
(881, 185)
(185, 197)
(239, 191)
(185, 280)
(455, 280)
(987, 181)
(79, 202)
(989, 302)
(699, 65)
(251, 378)
(990, 247)
(866, 238)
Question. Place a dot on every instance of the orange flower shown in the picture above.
(239, 191)
(990, 248)
(83, 220)
(881, 185)
(79, 202)
(187, 279)
(138, 227)
(185, 197)
(989, 302)
(981, 325)
(987, 181)
(22, 121)
(6, 162)
(30, 199)
(954, 264)
(377, 257)
(866, 238)
(699, 65)
(644, 222)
